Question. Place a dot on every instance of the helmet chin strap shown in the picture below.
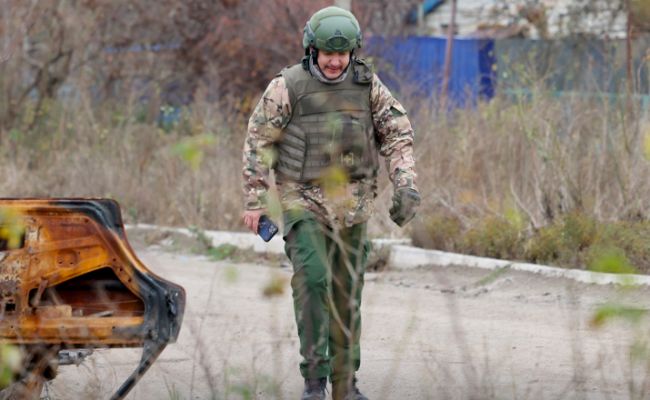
(312, 67)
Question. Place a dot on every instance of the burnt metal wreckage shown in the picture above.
(69, 283)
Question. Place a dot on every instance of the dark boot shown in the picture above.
(342, 391)
(314, 389)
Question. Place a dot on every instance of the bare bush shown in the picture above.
(164, 52)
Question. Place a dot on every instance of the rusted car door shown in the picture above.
(70, 280)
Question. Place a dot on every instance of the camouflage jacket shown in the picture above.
(337, 205)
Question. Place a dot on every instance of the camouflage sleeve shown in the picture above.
(265, 125)
(395, 135)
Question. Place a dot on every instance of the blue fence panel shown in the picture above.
(414, 66)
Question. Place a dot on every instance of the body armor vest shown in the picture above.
(331, 126)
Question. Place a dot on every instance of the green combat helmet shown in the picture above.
(332, 29)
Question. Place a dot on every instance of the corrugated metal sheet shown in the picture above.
(413, 66)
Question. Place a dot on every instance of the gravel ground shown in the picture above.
(430, 333)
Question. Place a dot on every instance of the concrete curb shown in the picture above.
(245, 240)
(404, 257)
(407, 257)
(241, 240)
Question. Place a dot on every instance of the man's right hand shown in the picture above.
(252, 218)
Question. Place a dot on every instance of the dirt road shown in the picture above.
(436, 333)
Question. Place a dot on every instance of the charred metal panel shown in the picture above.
(69, 279)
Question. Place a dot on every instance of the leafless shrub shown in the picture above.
(162, 52)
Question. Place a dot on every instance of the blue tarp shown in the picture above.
(413, 66)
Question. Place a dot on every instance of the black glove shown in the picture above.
(405, 202)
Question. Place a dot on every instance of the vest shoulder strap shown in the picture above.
(362, 70)
(292, 75)
(281, 73)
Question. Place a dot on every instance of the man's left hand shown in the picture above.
(405, 203)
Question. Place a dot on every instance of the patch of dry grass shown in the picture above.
(543, 178)
(187, 175)
(492, 177)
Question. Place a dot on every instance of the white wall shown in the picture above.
(473, 13)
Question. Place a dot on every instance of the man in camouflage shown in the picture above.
(320, 125)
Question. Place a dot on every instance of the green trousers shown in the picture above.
(327, 283)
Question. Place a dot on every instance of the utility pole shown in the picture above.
(344, 4)
(446, 75)
(628, 49)
(420, 23)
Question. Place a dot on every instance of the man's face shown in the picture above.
(333, 63)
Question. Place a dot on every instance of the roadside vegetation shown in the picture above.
(548, 180)
(514, 179)
(155, 116)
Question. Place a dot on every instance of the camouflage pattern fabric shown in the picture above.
(337, 202)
